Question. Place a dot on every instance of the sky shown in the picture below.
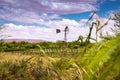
(39, 19)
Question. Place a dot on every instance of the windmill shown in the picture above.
(66, 30)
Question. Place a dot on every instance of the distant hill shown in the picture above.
(25, 40)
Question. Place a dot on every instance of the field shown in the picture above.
(98, 62)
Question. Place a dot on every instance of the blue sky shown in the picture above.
(51, 14)
(104, 10)
(104, 7)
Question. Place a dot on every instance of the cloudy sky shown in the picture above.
(39, 19)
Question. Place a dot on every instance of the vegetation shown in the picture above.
(25, 46)
(100, 62)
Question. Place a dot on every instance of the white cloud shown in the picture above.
(35, 11)
(49, 34)
(64, 22)
(71, 7)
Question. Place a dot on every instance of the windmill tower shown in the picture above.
(66, 30)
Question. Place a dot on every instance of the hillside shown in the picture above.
(25, 40)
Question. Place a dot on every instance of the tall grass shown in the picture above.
(99, 62)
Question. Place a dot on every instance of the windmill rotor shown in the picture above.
(58, 30)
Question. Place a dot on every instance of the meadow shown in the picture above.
(98, 62)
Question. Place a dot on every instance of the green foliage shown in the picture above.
(102, 61)
(25, 46)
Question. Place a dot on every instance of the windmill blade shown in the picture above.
(58, 30)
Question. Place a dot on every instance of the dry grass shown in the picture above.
(13, 57)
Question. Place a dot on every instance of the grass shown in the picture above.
(99, 62)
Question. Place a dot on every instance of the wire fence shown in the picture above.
(48, 51)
